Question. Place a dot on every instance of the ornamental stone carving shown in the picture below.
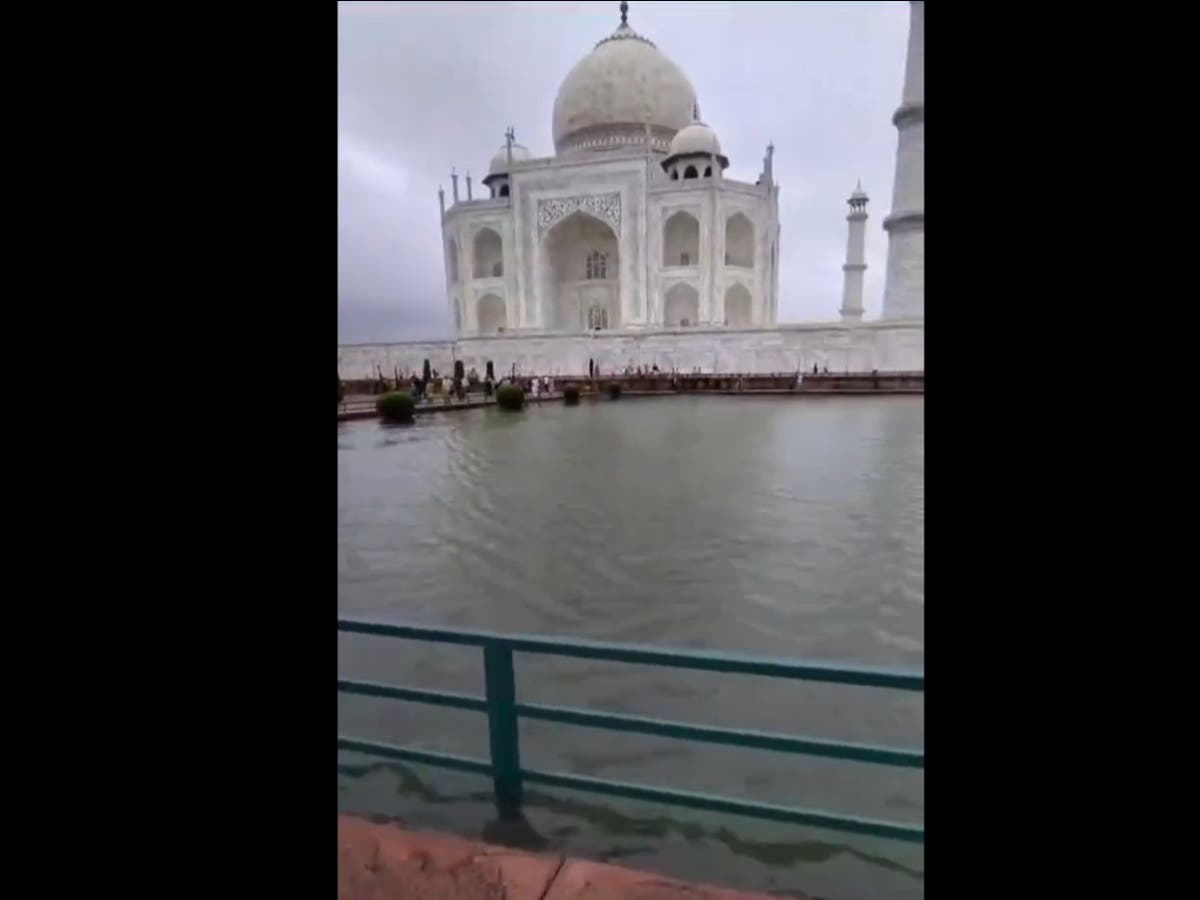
(606, 207)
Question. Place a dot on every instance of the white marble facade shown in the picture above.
(860, 347)
(629, 246)
(630, 226)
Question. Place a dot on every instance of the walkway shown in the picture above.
(385, 862)
(359, 406)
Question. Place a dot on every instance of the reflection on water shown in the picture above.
(774, 526)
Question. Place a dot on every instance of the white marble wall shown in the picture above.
(904, 288)
(633, 196)
(888, 347)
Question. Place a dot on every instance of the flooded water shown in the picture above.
(782, 526)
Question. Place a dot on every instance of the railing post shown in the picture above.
(501, 688)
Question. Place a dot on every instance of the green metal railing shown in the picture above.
(503, 712)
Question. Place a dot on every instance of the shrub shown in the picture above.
(614, 390)
(510, 396)
(571, 395)
(396, 406)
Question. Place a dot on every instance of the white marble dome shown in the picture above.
(695, 138)
(499, 163)
(611, 94)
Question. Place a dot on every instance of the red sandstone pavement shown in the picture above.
(384, 862)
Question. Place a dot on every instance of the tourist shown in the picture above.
(533, 389)
(447, 390)
(815, 369)
(825, 371)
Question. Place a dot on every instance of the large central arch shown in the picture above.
(581, 275)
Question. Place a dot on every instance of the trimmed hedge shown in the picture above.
(510, 397)
(614, 390)
(571, 395)
(396, 406)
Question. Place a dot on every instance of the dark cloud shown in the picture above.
(424, 86)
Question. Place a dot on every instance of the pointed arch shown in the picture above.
(681, 240)
(739, 241)
(739, 306)
(488, 254)
(682, 306)
(580, 280)
(492, 314)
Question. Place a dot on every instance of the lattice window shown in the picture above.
(597, 266)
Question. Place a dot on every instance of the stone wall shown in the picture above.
(886, 346)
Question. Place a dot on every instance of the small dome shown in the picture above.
(499, 164)
(625, 84)
(696, 138)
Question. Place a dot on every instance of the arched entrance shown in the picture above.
(580, 277)
(681, 240)
(681, 307)
(488, 254)
(492, 313)
(739, 241)
(738, 306)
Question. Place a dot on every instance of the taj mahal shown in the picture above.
(630, 246)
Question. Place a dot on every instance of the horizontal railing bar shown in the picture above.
(651, 656)
(888, 756)
(770, 812)
(413, 695)
(783, 743)
(410, 754)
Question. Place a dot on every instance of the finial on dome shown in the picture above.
(695, 111)
(624, 13)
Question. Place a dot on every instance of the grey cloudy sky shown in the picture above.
(423, 86)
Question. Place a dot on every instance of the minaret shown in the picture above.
(454, 183)
(468, 187)
(904, 291)
(852, 290)
(442, 201)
